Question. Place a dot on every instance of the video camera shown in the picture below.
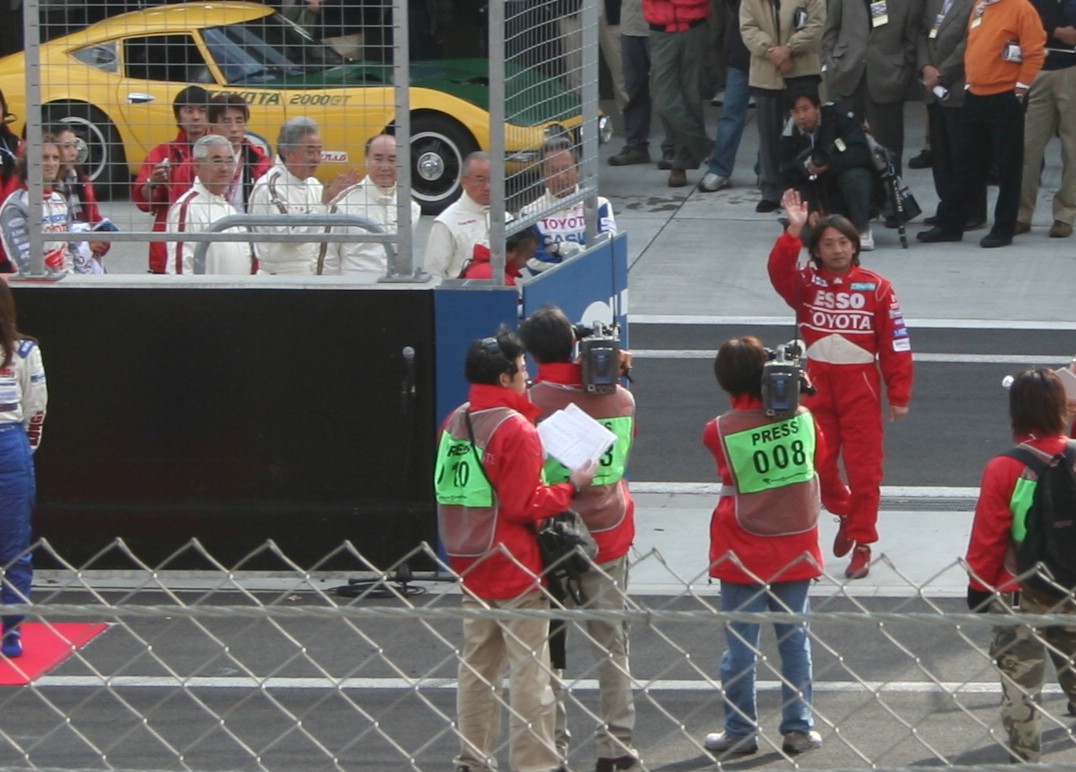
(784, 379)
(599, 352)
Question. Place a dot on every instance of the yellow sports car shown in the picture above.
(115, 82)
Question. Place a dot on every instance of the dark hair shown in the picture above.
(839, 223)
(796, 93)
(489, 358)
(227, 100)
(1037, 403)
(738, 365)
(191, 96)
(9, 332)
(519, 238)
(548, 335)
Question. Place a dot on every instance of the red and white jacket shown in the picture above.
(158, 198)
(853, 319)
(194, 212)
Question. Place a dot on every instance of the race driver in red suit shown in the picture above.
(852, 324)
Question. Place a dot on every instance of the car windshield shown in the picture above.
(266, 50)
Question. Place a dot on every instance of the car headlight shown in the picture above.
(605, 129)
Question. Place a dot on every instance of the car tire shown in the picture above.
(106, 163)
(438, 146)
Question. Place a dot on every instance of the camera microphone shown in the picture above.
(407, 388)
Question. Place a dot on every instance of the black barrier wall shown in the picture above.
(234, 416)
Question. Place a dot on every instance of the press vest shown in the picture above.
(603, 505)
(467, 506)
(772, 468)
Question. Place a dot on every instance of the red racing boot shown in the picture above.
(842, 544)
(861, 562)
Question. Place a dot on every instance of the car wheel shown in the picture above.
(438, 147)
(105, 162)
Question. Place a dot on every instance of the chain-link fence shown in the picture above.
(307, 669)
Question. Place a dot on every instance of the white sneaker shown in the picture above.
(801, 742)
(712, 182)
(866, 241)
(719, 742)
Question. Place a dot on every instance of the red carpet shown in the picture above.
(44, 647)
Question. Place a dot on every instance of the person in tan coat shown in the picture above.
(784, 41)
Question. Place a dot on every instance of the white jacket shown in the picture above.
(24, 394)
(194, 212)
(453, 236)
(364, 199)
(278, 191)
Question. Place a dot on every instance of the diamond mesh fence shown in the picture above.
(309, 669)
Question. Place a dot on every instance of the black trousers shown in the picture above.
(945, 148)
(989, 129)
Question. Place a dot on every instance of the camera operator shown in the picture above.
(763, 545)
(852, 324)
(825, 156)
(609, 512)
(490, 495)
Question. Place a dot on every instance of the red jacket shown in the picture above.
(563, 384)
(513, 462)
(990, 556)
(675, 15)
(480, 267)
(160, 197)
(852, 319)
(777, 558)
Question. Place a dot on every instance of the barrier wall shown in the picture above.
(195, 408)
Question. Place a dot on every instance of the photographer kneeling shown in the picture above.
(764, 542)
(826, 158)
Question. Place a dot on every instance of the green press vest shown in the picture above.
(772, 467)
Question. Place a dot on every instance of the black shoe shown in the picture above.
(892, 222)
(924, 160)
(932, 220)
(938, 234)
(993, 240)
(973, 225)
(665, 164)
(629, 156)
(767, 206)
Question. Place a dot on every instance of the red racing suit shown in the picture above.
(512, 461)
(608, 510)
(852, 325)
(158, 198)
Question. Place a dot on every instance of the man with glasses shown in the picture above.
(203, 205)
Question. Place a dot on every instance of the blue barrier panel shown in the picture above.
(460, 316)
(590, 288)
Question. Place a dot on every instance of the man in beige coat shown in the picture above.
(784, 41)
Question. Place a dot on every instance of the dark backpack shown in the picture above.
(1051, 522)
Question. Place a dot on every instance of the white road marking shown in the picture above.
(437, 684)
(963, 359)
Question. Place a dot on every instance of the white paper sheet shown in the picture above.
(574, 438)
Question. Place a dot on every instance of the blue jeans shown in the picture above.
(738, 664)
(730, 124)
(17, 491)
